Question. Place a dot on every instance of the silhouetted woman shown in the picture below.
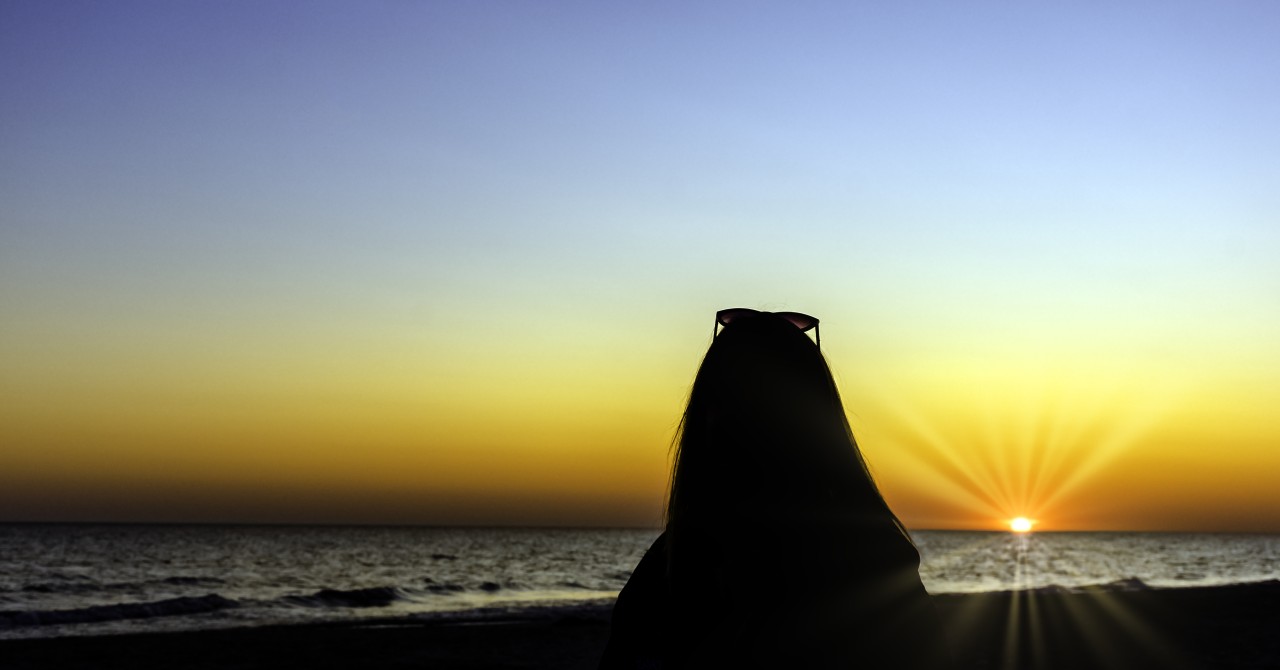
(779, 550)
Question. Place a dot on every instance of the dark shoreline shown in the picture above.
(1235, 627)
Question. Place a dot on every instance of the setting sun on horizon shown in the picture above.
(442, 263)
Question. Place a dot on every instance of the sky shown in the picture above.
(457, 262)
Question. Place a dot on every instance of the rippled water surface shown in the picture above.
(967, 562)
(98, 579)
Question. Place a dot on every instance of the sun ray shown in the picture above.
(1020, 459)
(1010, 453)
(1013, 631)
(1148, 639)
(1117, 631)
(916, 434)
(1109, 446)
(961, 553)
(1062, 441)
(945, 486)
(1041, 431)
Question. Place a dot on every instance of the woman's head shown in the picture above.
(765, 431)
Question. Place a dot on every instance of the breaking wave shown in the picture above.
(75, 584)
(379, 596)
(372, 597)
(100, 613)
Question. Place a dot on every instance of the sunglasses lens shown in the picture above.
(802, 321)
(726, 316)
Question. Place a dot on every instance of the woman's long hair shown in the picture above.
(765, 439)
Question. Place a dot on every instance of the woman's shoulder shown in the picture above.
(637, 627)
(649, 577)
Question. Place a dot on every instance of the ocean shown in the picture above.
(66, 579)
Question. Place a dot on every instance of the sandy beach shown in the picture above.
(1221, 627)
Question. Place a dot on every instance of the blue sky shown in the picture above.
(554, 186)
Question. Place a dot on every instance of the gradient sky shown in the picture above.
(456, 262)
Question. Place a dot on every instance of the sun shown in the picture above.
(1020, 525)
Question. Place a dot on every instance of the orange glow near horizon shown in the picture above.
(357, 442)
(1076, 451)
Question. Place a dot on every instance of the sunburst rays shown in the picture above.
(994, 457)
(1035, 617)
(1011, 453)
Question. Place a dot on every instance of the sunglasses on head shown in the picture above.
(802, 321)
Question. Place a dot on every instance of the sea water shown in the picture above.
(61, 579)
